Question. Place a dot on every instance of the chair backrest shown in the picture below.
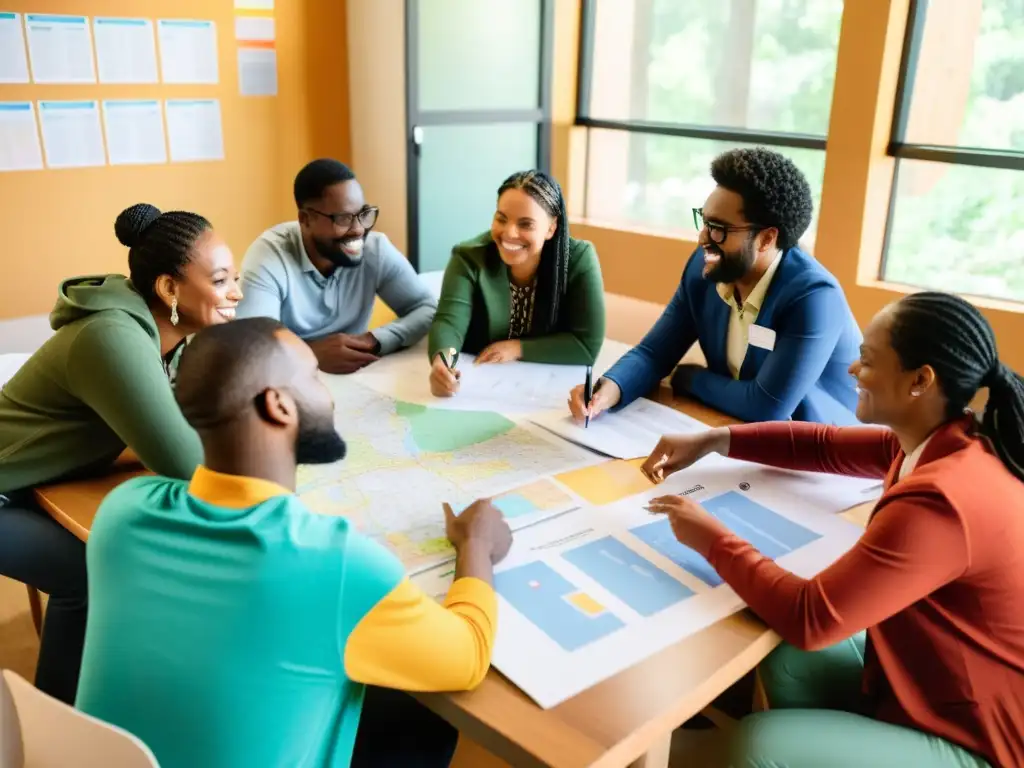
(11, 753)
(54, 735)
(9, 365)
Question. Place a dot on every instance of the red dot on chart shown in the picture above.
(534, 584)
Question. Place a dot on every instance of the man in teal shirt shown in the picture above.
(229, 626)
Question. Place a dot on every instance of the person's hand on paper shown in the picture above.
(606, 395)
(345, 353)
(676, 452)
(500, 352)
(444, 382)
(692, 525)
(482, 525)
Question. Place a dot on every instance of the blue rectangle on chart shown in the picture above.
(637, 582)
(188, 102)
(659, 537)
(45, 18)
(67, 104)
(772, 534)
(122, 22)
(8, 16)
(545, 597)
(514, 505)
(185, 23)
(110, 103)
(16, 106)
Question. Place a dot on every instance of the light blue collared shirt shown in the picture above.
(279, 281)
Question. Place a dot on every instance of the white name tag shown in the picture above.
(761, 337)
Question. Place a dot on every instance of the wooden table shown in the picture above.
(626, 720)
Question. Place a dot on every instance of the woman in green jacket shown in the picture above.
(523, 291)
(97, 386)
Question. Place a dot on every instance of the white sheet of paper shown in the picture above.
(591, 593)
(60, 48)
(257, 71)
(254, 28)
(135, 131)
(255, 5)
(630, 433)
(194, 130)
(125, 50)
(13, 59)
(72, 136)
(19, 139)
(188, 51)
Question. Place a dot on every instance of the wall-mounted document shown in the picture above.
(255, 5)
(19, 139)
(188, 51)
(257, 70)
(194, 130)
(60, 48)
(13, 60)
(254, 28)
(125, 50)
(135, 131)
(72, 136)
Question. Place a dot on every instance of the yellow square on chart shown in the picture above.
(608, 482)
(585, 603)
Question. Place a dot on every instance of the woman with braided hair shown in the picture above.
(525, 290)
(936, 580)
(98, 386)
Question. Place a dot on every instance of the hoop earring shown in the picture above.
(174, 311)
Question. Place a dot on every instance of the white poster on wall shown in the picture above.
(72, 136)
(194, 130)
(19, 138)
(188, 51)
(125, 50)
(60, 48)
(13, 59)
(135, 131)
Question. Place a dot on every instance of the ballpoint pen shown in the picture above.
(588, 394)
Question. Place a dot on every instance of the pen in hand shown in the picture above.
(588, 394)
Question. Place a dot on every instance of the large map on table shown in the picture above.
(404, 460)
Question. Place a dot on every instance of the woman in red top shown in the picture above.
(936, 580)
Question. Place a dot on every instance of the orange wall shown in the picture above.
(59, 223)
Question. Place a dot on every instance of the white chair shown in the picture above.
(38, 731)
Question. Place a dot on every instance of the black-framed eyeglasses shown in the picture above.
(718, 232)
(367, 216)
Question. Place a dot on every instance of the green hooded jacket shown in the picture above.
(96, 386)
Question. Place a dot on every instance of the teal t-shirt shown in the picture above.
(217, 635)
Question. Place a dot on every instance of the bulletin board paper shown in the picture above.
(19, 137)
(60, 48)
(188, 51)
(13, 58)
(72, 136)
(135, 131)
(125, 50)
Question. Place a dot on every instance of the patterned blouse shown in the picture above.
(521, 317)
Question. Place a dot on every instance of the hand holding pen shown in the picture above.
(444, 376)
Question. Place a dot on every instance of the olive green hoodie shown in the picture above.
(98, 385)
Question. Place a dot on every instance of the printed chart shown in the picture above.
(594, 591)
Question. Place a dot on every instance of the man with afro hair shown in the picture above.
(773, 324)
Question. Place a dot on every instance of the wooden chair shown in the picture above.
(38, 731)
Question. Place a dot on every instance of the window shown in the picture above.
(957, 221)
(665, 85)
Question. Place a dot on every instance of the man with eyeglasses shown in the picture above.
(774, 325)
(320, 275)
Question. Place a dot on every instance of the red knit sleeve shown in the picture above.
(857, 451)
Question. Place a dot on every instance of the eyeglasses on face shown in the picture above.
(367, 217)
(718, 233)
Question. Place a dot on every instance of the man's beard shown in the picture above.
(318, 442)
(331, 250)
(732, 265)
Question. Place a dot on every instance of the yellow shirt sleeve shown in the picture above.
(410, 642)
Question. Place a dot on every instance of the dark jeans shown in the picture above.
(36, 550)
(396, 730)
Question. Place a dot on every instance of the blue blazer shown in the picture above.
(804, 377)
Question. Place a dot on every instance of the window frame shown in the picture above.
(900, 149)
(583, 118)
